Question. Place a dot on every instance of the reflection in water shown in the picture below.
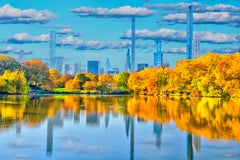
(56, 121)
(210, 118)
(157, 130)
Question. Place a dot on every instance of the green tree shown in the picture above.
(8, 63)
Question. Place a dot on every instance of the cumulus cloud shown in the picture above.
(24, 37)
(121, 12)
(175, 50)
(10, 49)
(232, 49)
(9, 14)
(68, 31)
(79, 44)
(180, 36)
(196, 7)
(6, 50)
(204, 18)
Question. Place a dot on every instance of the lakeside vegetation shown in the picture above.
(211, 75)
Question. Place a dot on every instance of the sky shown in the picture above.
(97, 29)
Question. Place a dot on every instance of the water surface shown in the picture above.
(118, 128)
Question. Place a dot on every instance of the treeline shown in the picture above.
(211, 75)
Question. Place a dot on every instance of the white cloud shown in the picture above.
(24, 37)
(8, 14)
(180, 36)
(79, 44)
(204, 18)
(196, 7)
(232, 49)
(68, 31)
(175, 50)
(6, 49)
(121, 12)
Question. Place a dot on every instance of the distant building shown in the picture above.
(52, 50)
(142, 66)
(59, 64)
(77, 67)
(93, 66)
(113, 71)
(166, 64)
(127, 63)
(70, 68)
(107, 65)
(21, 56)
(157, 56)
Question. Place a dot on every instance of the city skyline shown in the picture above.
(97, 30)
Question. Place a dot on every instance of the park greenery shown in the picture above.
(211, 75)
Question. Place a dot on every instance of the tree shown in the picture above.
(81, 78)
(54, 76)
(72, 85)
(106, 83)
(8, 63)
(13, 82)
(122, 81)
(63, 79)
(36, 72)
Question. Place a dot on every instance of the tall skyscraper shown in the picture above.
(77, 67)
(93, 66)
(189, 32)
(21, 56)
(52, 48)
(128, 65)
(133, 46)
(107, 65)
(157, 56)
(59, 64)
(196, 46)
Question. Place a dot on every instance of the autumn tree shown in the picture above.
(54, 76)
(63, 79)
(8, 63)
(36, 72)
(122, 81)
(106, 83)
(13, 82)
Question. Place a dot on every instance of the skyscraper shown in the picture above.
(189, 32)
(132, 65)
(52, 48)
(107, 65)
(93, 66)
(59, 64)
(157, 56)
(196, 46)
(128, 65)
(21, 56)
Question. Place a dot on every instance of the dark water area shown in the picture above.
(63, 127)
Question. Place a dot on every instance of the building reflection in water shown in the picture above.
(107, 118)
(92, 120)
(56, 121)
(132, 138)
(193, 145)
(157, 130)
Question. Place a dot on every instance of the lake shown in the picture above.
(62, 127)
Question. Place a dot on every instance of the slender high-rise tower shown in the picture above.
(128, 65)
(189, 32)
(107, 65)
(196, 46)
(159, 53)
(21, 56)
(133, 46)
(52, 48)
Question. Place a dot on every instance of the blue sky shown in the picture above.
(96, 29)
